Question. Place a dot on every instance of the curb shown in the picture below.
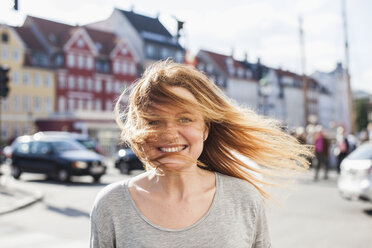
(15, 203)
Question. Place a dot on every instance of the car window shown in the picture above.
(362, 152)
(23, 147)
(39, 147)
(87, 143)
(62, 146)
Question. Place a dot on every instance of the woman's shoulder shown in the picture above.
(111, 193)
(238, 188)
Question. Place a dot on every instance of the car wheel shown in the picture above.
(96, 179)
(63, 175)
(124, 168)
(16, 171)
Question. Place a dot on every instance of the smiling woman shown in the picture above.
(191, 138)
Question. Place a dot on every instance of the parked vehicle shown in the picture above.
(8, 150)
(56, 157)
(83, 139)
(355, 181)
(127, 161)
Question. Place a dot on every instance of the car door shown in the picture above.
(43, 157)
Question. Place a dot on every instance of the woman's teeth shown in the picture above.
(172, 149)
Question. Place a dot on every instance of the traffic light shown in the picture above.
(4, 81)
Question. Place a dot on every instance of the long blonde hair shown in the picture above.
(234, 131)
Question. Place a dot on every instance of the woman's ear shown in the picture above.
(206, 132)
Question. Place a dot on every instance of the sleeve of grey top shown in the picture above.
(262, 239)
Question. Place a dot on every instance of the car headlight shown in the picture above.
(122, 153)
(80, 165)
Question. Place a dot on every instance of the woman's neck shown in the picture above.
(180, 185)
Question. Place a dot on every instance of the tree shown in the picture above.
(361, 109)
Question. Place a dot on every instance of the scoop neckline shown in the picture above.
(201, 220)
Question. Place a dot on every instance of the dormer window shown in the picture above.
(80, 43)
(98, 46)
(52, 37)
(4, 38)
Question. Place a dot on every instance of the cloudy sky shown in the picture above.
(268, 29)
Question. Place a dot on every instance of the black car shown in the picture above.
(127, 161)
(58, 158)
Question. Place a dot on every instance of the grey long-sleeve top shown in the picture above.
(236, 218)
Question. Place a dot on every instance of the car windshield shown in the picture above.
(62, 146)
(362, 152)
(88, 143)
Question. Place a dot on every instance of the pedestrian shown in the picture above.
(321, 153)
(343, 147)
(196, 192)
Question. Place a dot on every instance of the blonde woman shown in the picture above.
(196, 191)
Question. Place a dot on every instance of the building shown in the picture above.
(336, 83)
(148, 38)
(32, 84)
(232, 76)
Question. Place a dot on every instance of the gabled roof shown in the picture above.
(55, 33)
(223, 60)
(147, 24)
(105, 42)
(29, 38)
(151, 29)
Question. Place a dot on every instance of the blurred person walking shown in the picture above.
(321, 153)
(343, 147)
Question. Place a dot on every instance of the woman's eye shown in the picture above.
(153, 123)
(185, 120)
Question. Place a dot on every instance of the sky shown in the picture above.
(265, 29)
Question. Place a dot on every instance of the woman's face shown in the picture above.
(179, 134)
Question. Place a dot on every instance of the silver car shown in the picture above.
(355, 181)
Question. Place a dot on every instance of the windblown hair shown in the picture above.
(235, 132)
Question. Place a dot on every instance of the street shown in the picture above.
(312, 215)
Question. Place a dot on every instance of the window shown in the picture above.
(48, 81)
(124, 51)
(98, 85)
(80, 104)
(80, 59)
(70, 60)
(58, 60)
(80, 43)
(26, 78)
(61, 104)
(164, 53)
(116, 66)
(108, 86)
(4, 131)
(209, 68)
(15, 55)
(117, 87)
(48, 104)
(26, 104)
(89, 104)
(71, 104)
(5, 104)
(150, 51)
(71, 82)
(37, 80)
(15, 77)
(80, 83)
(132, 69)
(4, 54)
(124, 67)
(37, 104)
(4, 38)
(179, 56)
(16, 103)
(89, 64)
(89, 84)
(98, 105)
(61, 81)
